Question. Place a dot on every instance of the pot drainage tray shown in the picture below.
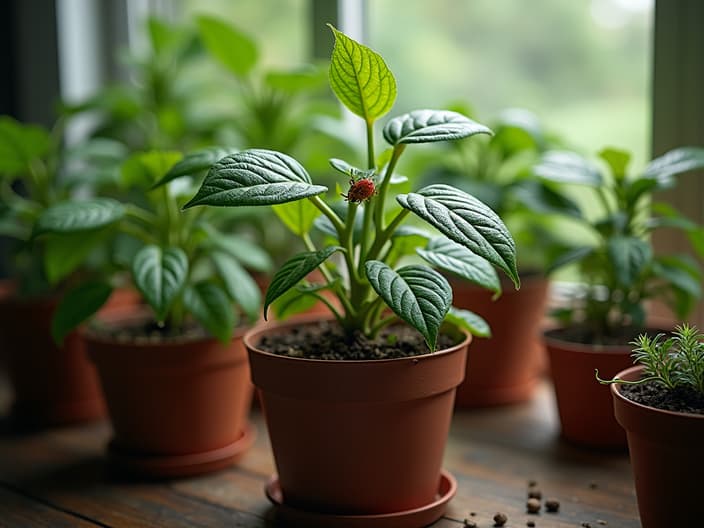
(414, 518)
(165, 466)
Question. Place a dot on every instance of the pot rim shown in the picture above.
(633, 372)
(304, 320)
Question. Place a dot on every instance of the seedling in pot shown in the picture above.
(364, 224)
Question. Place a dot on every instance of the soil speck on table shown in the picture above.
(500, 519)
(533, 505)
(552, 505)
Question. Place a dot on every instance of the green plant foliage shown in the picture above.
(160, 274)
(77, 306)
(365, 227)
(231, 47)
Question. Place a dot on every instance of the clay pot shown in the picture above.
(52, 385)
(505, 368)
(584, 405)
(356, 437)
(666, 454)
(177, 407)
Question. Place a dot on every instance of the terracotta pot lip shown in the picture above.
(529, 278)
(634, 372)
(311, 319)
(128, 314)
(8, 295)
(588, 348)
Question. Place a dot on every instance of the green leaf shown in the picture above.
(143, 169)
(417, 294)
(241, 249)
(617, 161)
(235, 50)
(20, 144)
(211, 308)
(427, 126)
(538, 197)
(255, 177)
(467, 221)
(295, 270)
(348, 170)
(298, 216)
(75, 217)
(568, 167)
(674, 162)
(291, 303)
(195, 162)
(629, 255)
(683, 275)
(306, 78)
(469, 321)
(239, 284)
(77, 306)
(360, 78)
(64, 253)
(160, 275)
(570, 256)
(454, 258)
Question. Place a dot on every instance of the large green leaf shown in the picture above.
(195, 162)
(617, 161)
(360, 78)
(211, 308)
(20, 144)
(467, 221)
(454, 258)
(160, 275)
(674, 162)
(427, 126)
(242, 249)
(295, 270)
(255, 177)
(469, 321)
(75, 217)
(231, 47)
(64, 253)
(298, 216)
(568, 167)
(417, 294)
(628, 255)
(77, 306)
(538, 197)
(143, 169)
(239, 284)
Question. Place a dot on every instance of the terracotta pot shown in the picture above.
(666, 454)
(52, 385)
(584, 405)
(357, 437)
(506, 367)
(177, 408)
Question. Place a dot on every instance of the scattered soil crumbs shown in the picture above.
(652, 394)
(327, 341)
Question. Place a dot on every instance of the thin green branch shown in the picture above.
(384, 188)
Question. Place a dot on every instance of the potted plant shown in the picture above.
(660, 404)
(52, 385)
(498, 170)
(358, 407)
(175, 376)
(622, 273)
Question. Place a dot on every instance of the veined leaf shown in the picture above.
(295, 270)
(568, 167)
(360, 78)
(427, 126)
(417, 294)
(674, 162)
(231, 47)
(77, 306)
(469, 321)
(454, 258)
(467, 221)
(75, 217)
(298, 216)
(160, 275)
(291, 303)
(195, 162)
(255, 177)
(629, 255)
(239, 284)
(211, 308)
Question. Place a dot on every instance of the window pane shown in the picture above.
(582, 66)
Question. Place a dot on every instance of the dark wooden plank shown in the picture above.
(19, 510)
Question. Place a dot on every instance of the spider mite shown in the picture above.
(360, 190)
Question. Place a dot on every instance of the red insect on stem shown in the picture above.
(360, 190)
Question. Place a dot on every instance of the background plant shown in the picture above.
(619, 266)
(367, 230)
(183, 266)
(671, 362)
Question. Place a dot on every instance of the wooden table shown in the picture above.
(58, 478)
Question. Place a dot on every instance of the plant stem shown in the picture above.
(383, 190)
(371, 159)
(381, 324)
(383, 237)
(332, 216)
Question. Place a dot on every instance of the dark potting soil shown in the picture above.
(143, 331)
(327, 341)
(586, 335)
(653, 394)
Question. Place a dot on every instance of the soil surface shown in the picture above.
(653, 394)
(143, 331)
(327, 341)
(586, 336)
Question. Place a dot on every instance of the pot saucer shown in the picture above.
(168, 466)
(414, 518)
